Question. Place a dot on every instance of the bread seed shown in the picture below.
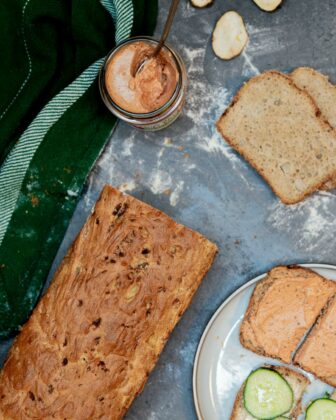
(131, 292)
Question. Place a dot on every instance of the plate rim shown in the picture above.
(215, 315)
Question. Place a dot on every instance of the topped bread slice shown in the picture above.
(297, 382)
(282, 309)
(278, 129)
(318, 352)
(324, 94)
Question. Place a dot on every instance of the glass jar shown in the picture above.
(161, 117)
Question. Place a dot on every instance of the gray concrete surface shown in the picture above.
(189, 172)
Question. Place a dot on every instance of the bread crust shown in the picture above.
(238, 403)
(259, 169)
(246, 335)
(311, 71)
(286, 373)
(245, 330)
(95, 336)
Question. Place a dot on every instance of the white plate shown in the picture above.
(222, 364)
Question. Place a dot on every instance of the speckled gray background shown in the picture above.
(187, 171)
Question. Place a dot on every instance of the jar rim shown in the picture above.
(135, 115)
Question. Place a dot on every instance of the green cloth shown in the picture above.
(46, 45)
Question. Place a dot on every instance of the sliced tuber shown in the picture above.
(201, 3)
(229, 36)
(268, 5)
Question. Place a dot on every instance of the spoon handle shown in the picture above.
(170, 18)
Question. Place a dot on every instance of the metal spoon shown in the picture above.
(165, 33)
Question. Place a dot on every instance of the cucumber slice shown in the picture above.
(321, 409)
(267, 394)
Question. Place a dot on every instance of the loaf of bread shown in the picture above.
(283, 307)
(278, 129)
(91, 342)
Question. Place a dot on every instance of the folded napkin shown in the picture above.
(53, 126)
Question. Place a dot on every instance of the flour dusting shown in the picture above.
(159, 181)
(168, 142)
(128, 146)
(120, 167)
(266, 40)
(205, 104)
(216, 144)
(128, 186)
(249, 69)
(314, 219)
(175, 195)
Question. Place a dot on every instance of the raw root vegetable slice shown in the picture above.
(229, 36)
(268, 5)
(200, 4)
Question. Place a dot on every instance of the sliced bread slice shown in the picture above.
(324, 94)
(282, 308)
(277, 128)
(297, 382)
(318, 352)
(320, 89)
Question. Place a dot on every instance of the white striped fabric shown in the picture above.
(14, 169)
(122, 14)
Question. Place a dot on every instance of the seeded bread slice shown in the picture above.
(297, 382)
(318, 352)
(277, 128)
(324, 94)
(320, 89)
(282, 308)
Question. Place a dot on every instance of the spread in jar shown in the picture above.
(145, 88)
